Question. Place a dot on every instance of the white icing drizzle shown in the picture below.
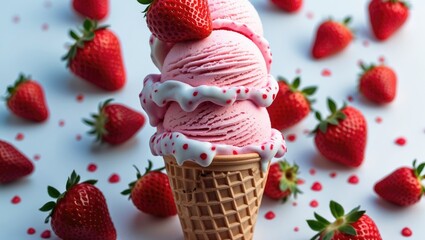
(156, 95)
(185, 149)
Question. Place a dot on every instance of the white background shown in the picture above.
(26, 47)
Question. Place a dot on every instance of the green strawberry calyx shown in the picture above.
(146, 2)
(307, 92)
(73, 180)
(366, 68)
(333, 119)
(406, 4)
(289, 180)
(88, 33)
(99, 121)
(417, 170)
(342, 224)
(148, 169)
(13, 88)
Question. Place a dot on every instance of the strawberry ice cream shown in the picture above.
(211, 96)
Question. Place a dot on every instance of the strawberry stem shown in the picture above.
(99, 121)
(13, 88)
(73, 180)
(341, 224)
(131, 185)
(289, 178)
(88, 34)
(294, 87)
(333, 119)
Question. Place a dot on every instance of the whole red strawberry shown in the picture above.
(151, 193)
(288, 5)
(26, 99)
(355, 225)
(387, 16)
(282, 181)
(378, 83)
(342, 136)
(96, 57)
(291, 105)
(80, 212)
(93, 9)
(331, 38)
(115, 123)
(178, 20)
(13, 164)
(402, 187)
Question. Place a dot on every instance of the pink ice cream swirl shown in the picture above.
(211, 95)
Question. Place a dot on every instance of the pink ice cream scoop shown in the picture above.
(211, 95)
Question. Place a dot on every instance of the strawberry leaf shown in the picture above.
(321, 219)
(329, 235)
(332, 105)
(348, 229)
(53, 192)
(309, 90)
(48, 206)
(336, 209)
(296, 82)
(316, 225)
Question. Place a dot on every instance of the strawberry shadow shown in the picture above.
(321, 163)
(154, 227)
(392, 208)
(107, 149)
(13, 121)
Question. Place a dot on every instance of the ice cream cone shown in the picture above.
(220, 201)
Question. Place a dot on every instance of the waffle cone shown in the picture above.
(220, 201)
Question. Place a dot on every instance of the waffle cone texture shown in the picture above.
(220, 201)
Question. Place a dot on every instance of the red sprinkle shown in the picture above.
(300, 181)
(381, 59)
(401, 141)
(31, 231)
(366, 43)
(37, 157)
(378, 120)
(263, 147)
(246, 90)
(80, 97)
(235, 152)
(16, 19)
(294, 204)
(204, 156)
(270, 215)
(46, 234)
(298, 71)
(238, 91)
(310, 15)
(326, 72)
(353, 179)
(292, 137)
(314, 204)
(61, 123)
(350, 98)
(19, 137)
(15, 200)
(212, 148)
(312, 171)
(296, 229)
(228, 101)
(185, 146)
(78, 137)
(114, 178)
(195, 94)
(92, 167)
(316, 186)
(406, 232)
(332, 174)
(45, 27)
(264, 96)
